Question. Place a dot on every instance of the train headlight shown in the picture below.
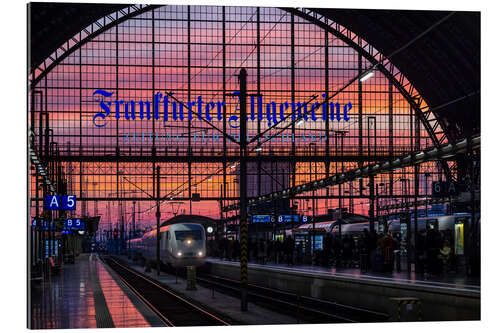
(200, 253)
(188, 242)
(179, 254)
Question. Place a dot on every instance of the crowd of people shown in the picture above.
(379, 252)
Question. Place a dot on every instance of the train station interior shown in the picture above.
(200, 165)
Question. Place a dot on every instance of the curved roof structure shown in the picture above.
(443, 63)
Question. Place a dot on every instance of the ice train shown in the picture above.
(182, 244)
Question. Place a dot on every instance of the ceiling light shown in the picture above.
(366, 76)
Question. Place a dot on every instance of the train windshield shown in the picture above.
(188, 234)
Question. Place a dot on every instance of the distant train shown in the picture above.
(440, 223)
(182, 244)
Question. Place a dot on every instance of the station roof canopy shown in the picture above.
(443, 63)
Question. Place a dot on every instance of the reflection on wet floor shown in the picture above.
(67, 300)
(123, 312)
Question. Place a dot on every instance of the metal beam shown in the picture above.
(436, 153)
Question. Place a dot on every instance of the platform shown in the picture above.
(87, 295)
(446, 281)
(445, 298)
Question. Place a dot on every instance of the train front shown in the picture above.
(190, 245)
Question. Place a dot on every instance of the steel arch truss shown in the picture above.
(393, 74)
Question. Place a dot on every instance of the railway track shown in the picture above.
(171, 308)
(306, 309)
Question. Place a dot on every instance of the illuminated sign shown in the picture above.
(56, 202)
(288, 218)
(43, 225)
(261, 218)
(74, 224)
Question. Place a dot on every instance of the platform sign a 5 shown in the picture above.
(56, 202)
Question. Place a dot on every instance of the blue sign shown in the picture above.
(43, 225)
(74, 224)
(288, 218)
(68, 202)
(261, 218)
(56, 202)
(66, 232)
(52, 202)
(305, 219)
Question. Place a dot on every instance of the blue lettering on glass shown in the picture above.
(105, 106)
(162, 103)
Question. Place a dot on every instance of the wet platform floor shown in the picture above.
(86, 295)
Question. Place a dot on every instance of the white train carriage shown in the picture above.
(182, 244)
(441, 223)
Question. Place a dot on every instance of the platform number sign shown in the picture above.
(74, 224)
(446, 189)
(288, 219)
(57, 202)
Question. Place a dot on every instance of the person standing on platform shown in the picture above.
(388, 248)
(236, 250)
(372, 248)
(445, 254)
(229, 250)
(397, 251)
